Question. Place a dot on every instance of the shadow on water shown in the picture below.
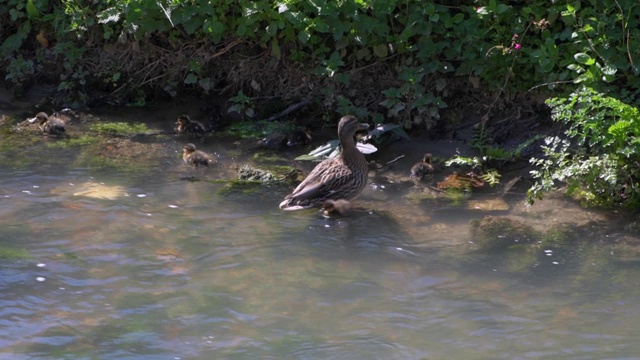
(134, 262)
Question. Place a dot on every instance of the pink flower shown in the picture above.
(517, 46)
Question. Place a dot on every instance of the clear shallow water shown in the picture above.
(172, 269)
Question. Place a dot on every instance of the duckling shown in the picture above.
(423, 168)
(278, 140)
(336, 207)
(274, 141)
(343, 177)
(190, 127)
(194, 157)
(49, 125)
(299, 137)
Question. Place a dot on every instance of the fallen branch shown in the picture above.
(289, 110)
(394, 160)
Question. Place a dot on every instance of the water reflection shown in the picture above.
(166, 268)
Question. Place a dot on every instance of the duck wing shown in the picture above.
(331, 179)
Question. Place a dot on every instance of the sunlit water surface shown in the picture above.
(176, 269)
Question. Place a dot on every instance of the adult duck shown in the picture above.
(194, 157)
(423, 168)
(49, 125)
(190, 127)
(342, 177)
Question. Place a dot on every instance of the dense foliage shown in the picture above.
(409, 52)
(600, 157)
(400, 60)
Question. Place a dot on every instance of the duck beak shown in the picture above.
(31, 121)
(363, 126)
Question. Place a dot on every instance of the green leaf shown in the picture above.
(320, 26)
(458, 18)
(191, 79)
(584, 58)
(32, 10)
(575, 67)
(304, 36)
(275, 49)
(502, 8)
(380, 50)
(241, 30)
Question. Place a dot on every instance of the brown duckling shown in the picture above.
(279, 140)
(49, 125)
(343, 177)
(299, 137)
(190, 127)
(336, 207)
(423, 168)
(274, 141)
(194, 157)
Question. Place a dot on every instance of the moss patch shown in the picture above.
(258, 129)
(119, 128)
(83, 140)
(9, 253)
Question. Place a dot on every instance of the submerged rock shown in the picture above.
(100, 191)
(492, 232)
(496, 204)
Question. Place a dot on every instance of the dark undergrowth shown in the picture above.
(444, 67)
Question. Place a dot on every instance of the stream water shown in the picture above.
(111, 264)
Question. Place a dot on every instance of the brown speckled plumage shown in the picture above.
(190, 127)
(423, 168)
(49, 125)
(342, 177)
(194, 157)
(336, 207)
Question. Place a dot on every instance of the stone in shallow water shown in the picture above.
(488, 204)
(99, 191)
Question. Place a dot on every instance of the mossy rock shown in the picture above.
(121, 153)
(249, 173)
